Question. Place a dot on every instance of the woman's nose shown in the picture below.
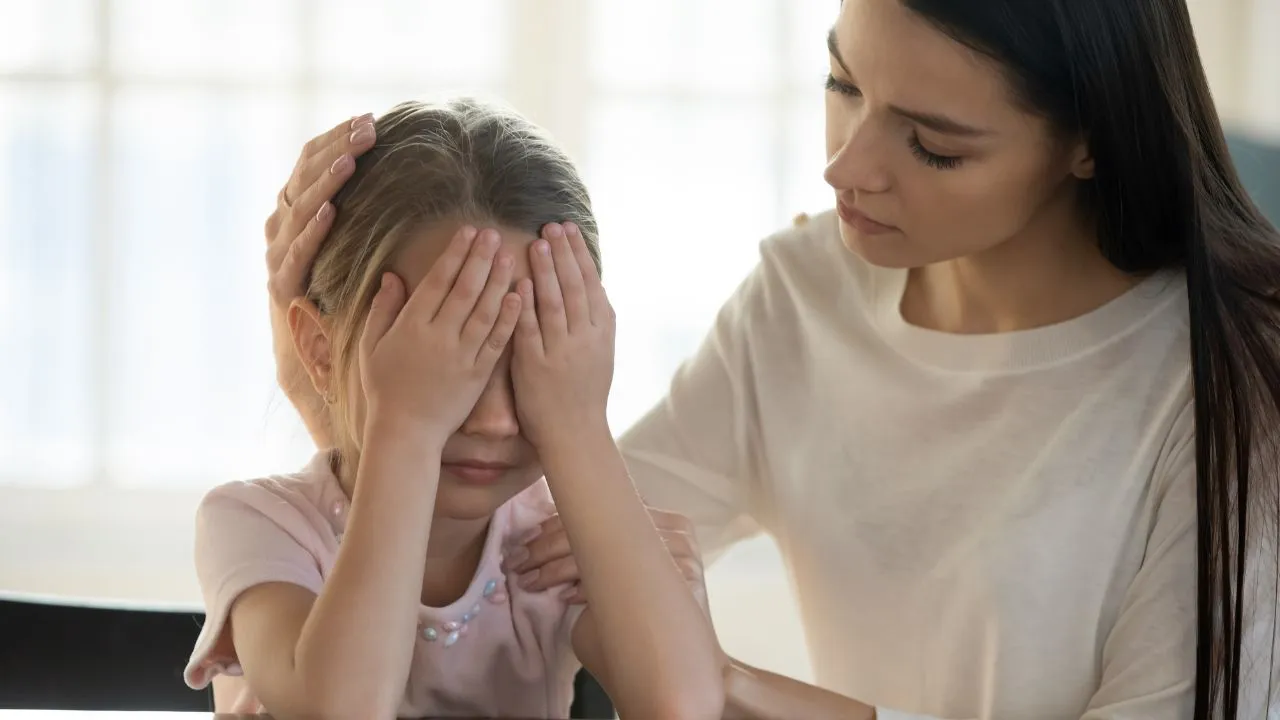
(857, 161)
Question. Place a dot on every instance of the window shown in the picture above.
(141, 146)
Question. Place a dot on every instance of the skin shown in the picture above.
(980, 207)
(988, 220)
(539, 399)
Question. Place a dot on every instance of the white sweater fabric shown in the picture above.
(977, 526)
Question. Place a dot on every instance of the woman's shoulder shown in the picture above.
(807, 266)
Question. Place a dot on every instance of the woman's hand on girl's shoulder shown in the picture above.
(545, 560)
(562, 366)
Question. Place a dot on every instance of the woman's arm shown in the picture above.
(644, 637)
(754, 694)
(295, 231)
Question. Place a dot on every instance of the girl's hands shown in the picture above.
(562, 367)
(425, 360)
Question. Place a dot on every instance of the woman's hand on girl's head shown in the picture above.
(294, 230)
(425, 358)
(562, 365)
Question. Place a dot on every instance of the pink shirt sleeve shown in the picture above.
(247, 535)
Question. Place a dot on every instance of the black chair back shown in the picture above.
(70, 657)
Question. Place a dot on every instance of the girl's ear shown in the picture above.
(311, 342)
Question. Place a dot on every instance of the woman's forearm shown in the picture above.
(753, 694)
(357, 641)
(661, 653)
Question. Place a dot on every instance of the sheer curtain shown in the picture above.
(141, 146)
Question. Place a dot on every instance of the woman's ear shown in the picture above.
(311, 342)
(1082, 160)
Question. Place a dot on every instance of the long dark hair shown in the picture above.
(1126, 75)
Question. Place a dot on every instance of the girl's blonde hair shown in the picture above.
(462, 160)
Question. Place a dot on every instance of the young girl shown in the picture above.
(372, 583)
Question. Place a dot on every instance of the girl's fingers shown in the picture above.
(500, 335)
(435, 286)
(488, 306)
(577, 311)
(546, 291)
(471, 280)
(387, 304)
(597, 300)
(528, 334)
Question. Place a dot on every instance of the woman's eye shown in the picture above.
(840, 86)
(932, 159)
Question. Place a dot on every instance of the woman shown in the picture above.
(1010, 410)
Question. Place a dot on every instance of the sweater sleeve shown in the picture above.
(1148, 659)
(693, 452)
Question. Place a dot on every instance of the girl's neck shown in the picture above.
(454, 553)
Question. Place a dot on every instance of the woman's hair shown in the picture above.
(1125, 75)
(460, 161)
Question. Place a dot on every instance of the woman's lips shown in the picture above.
(861, 221)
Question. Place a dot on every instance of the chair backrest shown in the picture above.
(70, 657)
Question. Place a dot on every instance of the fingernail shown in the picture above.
(504, 261)
(570, 228)
(340, 165)
(527, 579)
(363, 134)
(361, 120)
(554, 230)
(544, 247)
(517, 555)
(568, 592)
(324, 212)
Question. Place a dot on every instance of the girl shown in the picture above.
(1010, 409)
(370, 583)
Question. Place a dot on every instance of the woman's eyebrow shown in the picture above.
(933, 121)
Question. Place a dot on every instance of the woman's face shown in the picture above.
(929, 155)
(487, 461)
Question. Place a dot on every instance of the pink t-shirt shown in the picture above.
(497, 651)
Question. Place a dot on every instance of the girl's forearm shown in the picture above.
(753, 694)
(357, 642)
(652, 630)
